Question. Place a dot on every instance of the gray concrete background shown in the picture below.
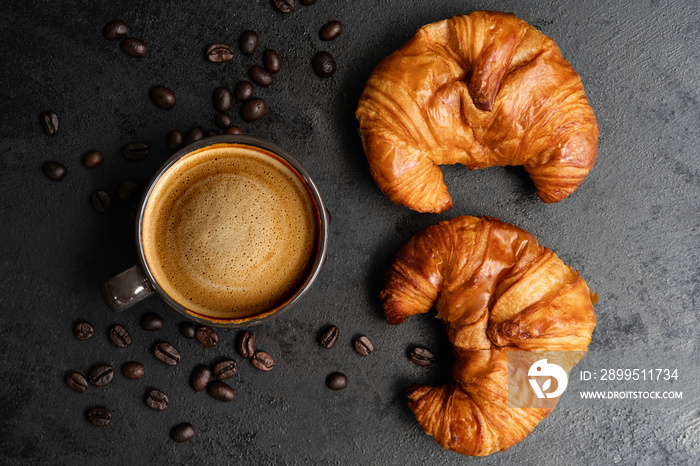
(632, 230)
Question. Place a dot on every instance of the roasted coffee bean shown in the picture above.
(175, 139)
(49, 122)
(253, 109)
(99, 416)
(285, 6)
(307, 2)
(329, 337)
(201, 376)
(187, 329)
(263, 361)
(133, 370)
(115, 30)
(364, 346)
(157, 400)
(166, 353)
(54, 170)
(182, 432)
(331, 30)
(219, 53)
(222, 99)
(134, 47)
(246, 345)
(193, 135)
(211, 133)
(135, 150)
(163, 97)
(324, 64)
(100, 201)
(93, 159)
(234, 130)
(120, 336)
(221, 391)
(225, 369)
(127, 189)
(244, 91)
(83, 330)
(248, 42)
(77, 382)
(222, 120)
(422, 356)
(337, 381)
(207, 336)
(150, 321)
(101, 375)
(261, 76)
(272, 61)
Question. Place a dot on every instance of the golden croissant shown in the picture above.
(482, 90)
(497, 290)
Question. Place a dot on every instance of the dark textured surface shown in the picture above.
(632, 230)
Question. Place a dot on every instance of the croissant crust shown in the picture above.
(497, 290)
(481, 90)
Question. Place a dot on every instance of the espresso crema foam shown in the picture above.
(230, 231)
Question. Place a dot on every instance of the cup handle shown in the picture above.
(126, 289)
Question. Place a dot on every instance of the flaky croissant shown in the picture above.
(482, 90)
(497, 290)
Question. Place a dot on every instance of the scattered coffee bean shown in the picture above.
(120, 336)
(128, 189)
(219, 53)
(307, 2)
(263, 361)
(212, 132)
(234, 130)
(248, 42)
(337, 381)
(135, 150)
(157, 400)
(175, 139)
(163, 97)
(285, 6)
(100, 201)
(222, 99)
(324, 64)
(83, 330)
(99, 416)
(222, 120)
(364, 346)
(193, 135)
(134, 47)
(166, 353)
(245, 346)
(182, 432)
(115, 30)
(187, 329)
(422, 356)
(272, 61)
(77, 382)
(93, 159)
(331, 30)
(54, 170)
(101, 375)
(201, 376)
(49, 122)
(150, 321)
(261, 76)
(133, 370)
(133, 211)
(253, 109)
(207, 336)
(221, 391)
(329, 337)
(225, 369)
(244, 91)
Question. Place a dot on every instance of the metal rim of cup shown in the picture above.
(275, 149)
